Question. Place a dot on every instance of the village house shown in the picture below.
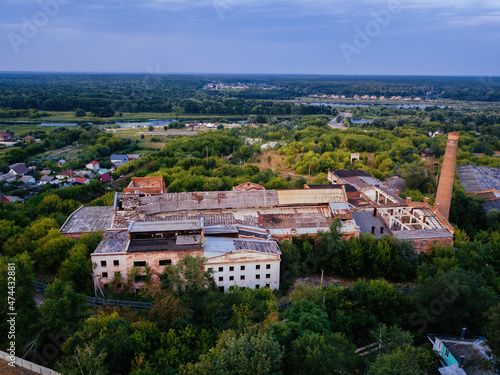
(18, 169)
(118, 160)
(6, 137)
(60, 162)
(93, 166)
(48, 180)
(28, 180)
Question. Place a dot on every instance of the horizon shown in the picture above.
(261, 37)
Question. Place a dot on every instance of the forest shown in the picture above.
(386, 294)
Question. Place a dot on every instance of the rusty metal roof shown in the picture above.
(165, 226)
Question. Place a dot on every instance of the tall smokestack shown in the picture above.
(445, 187)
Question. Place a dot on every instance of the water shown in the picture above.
(144, 124)
(56, 124)
(375, 105)
(361, 121)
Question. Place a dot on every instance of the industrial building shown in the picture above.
(237, 231)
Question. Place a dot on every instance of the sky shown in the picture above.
(332, 37)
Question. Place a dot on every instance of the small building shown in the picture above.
(6, 137)
(13, 199)
(81, 180)
(66, 175)
(28, 180)
(47, 180)
(133, 157)
(462, 356)
(118, 160)
(28, 138)
(60, 162)
(46, 172)
(146, 186)
(93, 166)
(8, 177)
(18, 169)
(104, 177)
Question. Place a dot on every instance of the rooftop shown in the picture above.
(165, 226)
(113, 242)
(366, 222)
(342, 173)
(474, 178)
(88, 219)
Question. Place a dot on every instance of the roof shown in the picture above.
(13, 198)
(342, 173)
(67, 173)
(165, 226)
(81, 180)
(122, 158)
(422, 234)
(47, 179)
(248, 186)
(46, 172)
(88, 219)
(366, 221)
(27, 179)
(93, 162)
(212, 200)
(218, 246)
(19, 168)
(113, 242)
(395, 183)
(348, 187)
(7, 176)
(474, 178)
(491, 204)
(164, 244)
(452, 370)
(62, 161)
(105, 177)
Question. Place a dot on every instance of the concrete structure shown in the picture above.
(445, 186)
(146, 186)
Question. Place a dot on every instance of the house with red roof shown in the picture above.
(93, 166)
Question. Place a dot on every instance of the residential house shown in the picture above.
(46, 172)
(66, 175)
(8, 177)
(13, 199)
(104, 175)
(93, 166)
(81, 180)
(48, 180)
(134, 157)
(462, 356)
(28, 180)
(19, 169)
(6, 137)
(119, 160)
(28, 138)
(61, 162)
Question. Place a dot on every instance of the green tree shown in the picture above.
(405, 360)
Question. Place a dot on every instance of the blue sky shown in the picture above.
(408, 37)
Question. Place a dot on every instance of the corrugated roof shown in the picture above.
(311, 196)
(227, 245)
(421, 234)
(165, 226)
(474, 178)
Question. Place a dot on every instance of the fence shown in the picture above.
(98, 302)
(37, 369)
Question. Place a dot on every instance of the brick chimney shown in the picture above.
(426, 200)
(445, 186)
(408, 200)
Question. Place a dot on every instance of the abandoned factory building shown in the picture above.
(237, 231)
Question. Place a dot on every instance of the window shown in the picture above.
(268, 275)
(165, 262)
(116, 263)
(257, 267)
(435, 241)
(231, 268)
(242, 277)
(119, 285)
(140, 278)
(268, 285)
(423, 242)
(221, 269)
(221, 289)
(221, 278)
(257, 277)
(141, 263)
(257, 286)
(210, 269)
(446, 353)
(231, 278)
(103, 263)
(268, 266)
(118, 275)
(104, 274)
(242, 268)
